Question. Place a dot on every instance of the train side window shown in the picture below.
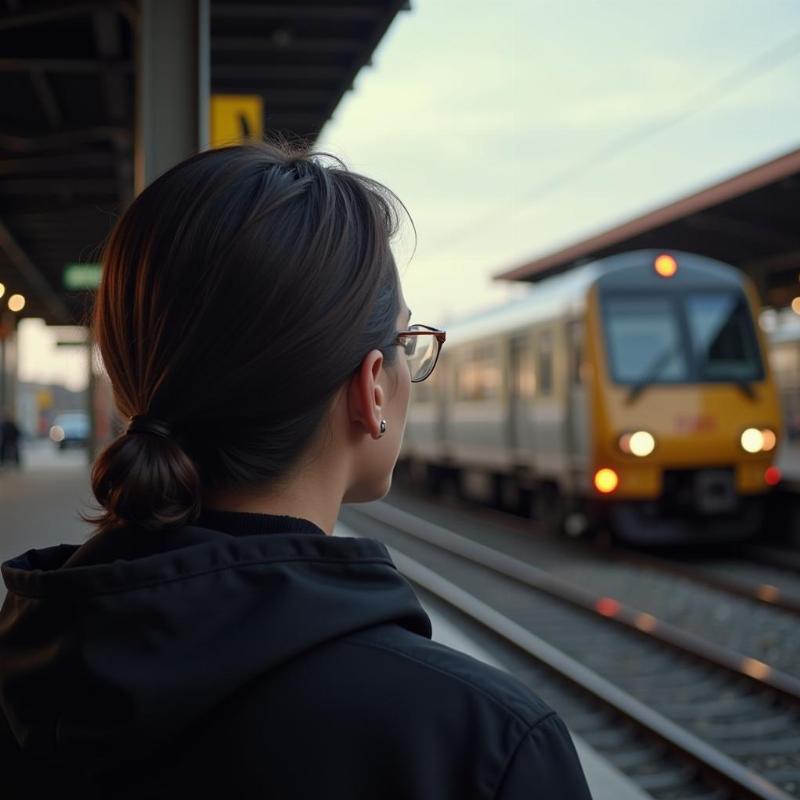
(479, 375)
(425, 391)
(523, 375)
(544, 366)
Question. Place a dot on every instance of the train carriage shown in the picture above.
(632, 391)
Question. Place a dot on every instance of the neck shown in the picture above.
(314, 497)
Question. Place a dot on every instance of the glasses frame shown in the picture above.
(438, 333)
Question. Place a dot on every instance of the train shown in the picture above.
(631, 394)
(784, 351)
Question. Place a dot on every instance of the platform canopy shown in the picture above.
(751, 220)
(67, 84)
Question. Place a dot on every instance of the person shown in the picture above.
(212, 638)
(9, 440)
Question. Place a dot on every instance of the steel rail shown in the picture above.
(775, 557)
(607, 607)
(754, 590)
(766, 593)
(710, 760)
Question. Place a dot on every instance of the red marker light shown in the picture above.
(772, 476)
(607, 606)
(665, 265)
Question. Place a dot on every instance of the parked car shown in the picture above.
(70, 429)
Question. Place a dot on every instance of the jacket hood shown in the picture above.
(104, 659)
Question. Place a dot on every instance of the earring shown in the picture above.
(383, 427)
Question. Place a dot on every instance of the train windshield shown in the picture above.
(689, 337)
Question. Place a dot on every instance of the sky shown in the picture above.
(512, 128)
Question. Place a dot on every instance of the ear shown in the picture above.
(365, 396)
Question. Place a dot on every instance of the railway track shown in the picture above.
(731, 601)
(715, 724)
(781, 559)
(760, 573)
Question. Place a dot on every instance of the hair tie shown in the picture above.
(144, 424)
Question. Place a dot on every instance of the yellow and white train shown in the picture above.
(632, 392)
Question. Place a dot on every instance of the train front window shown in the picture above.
(680, 337)
(644, 340)
(724, 343)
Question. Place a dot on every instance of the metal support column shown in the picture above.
(172, 86)
(91, 390)
(8, 363)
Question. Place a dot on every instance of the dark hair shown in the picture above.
(239, 291)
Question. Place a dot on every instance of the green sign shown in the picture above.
(82, 276)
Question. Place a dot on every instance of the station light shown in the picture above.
(606, 480)
(637, 443)
(758, 440)
(796, 305)
(57, 433)
(665, 265)
(2, 289)
(16, 302)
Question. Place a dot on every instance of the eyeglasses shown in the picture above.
(422, 345)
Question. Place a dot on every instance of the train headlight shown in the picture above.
(637, 443)
(770, 439)
(606, 480)
(752, 440)
(758, 440)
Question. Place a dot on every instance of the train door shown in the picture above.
(577, 427)
(548, 416)
(522, 379)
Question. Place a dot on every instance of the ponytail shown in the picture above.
(146, 480)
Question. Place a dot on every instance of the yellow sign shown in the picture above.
(44, 399)
(235, 118)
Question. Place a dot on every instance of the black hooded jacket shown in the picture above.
(251, 655)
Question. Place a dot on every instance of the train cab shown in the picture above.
(684, 413)
(633, 392)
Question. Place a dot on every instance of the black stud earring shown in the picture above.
(383, 427)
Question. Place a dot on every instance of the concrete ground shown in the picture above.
(39, 503)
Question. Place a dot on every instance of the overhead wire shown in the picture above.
(765, 62)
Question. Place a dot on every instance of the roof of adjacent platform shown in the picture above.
(751, 220)
(67, 84)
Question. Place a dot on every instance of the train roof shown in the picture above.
(566, 292)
